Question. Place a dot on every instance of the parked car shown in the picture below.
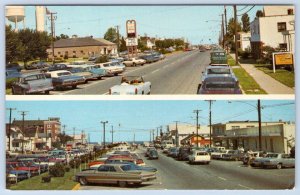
(199, 156)
(148, 151)
(275, 160)
(150, 58)
(217, 70)
(134, 62)
(233, 155)
(63, 78)
(121, 174)
(218, 154)
(36, 65)
(153, 154)
(218, 56)
(131, 85)
(56, 67)
(14, 66)
(80, 71)
(12, 73)
(219, 84)
(183, 153)
(249, 157)
(110, 70)
(134, 166)
(172, 151)
(32, 83)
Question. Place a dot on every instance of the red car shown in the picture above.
(23, 167)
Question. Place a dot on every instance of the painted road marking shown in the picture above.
(222, 178)
(245, 187)
(155, 71)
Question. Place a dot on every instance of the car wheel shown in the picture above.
(116, 74)
(133, 64)
(74, 86)
(47, 92)
(82, 181)
(99, 78)
(279, 166)
(236, 159)
(122, 184)
(23, 92)
(86, 81)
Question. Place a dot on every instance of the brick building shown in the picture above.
(82, 47)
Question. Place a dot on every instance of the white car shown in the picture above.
(111, 69)
(131, 85)
(134, 62)
(199, 156)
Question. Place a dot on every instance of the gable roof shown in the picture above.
(81, 42)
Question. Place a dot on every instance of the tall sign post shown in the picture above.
(131, 40)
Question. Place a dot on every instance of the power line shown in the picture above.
(243, 8)
(247, 11)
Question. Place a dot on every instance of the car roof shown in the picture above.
(217, 66)
(30, 74)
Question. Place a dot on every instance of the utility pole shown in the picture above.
(235, 36)
(176, 136)
(23, 113)
(225, 14)
(104, 122)
(9, 125)
(197, 125)
(156, 131)
(112, 134)
(223, 32)
(210, 127)
(81, 137)
(153, 135)
(150, 136)
(74, 136)
(64, 127)
(52, 18)
(259, 123)
(118, 40)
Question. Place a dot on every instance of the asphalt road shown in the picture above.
(221, 175)
(179, 73)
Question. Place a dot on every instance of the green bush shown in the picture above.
(9, 82)
(67, 168)
(57, 170)
(74, 163)
(102, 59)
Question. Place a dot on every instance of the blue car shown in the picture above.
(135, 167)
(12, 73)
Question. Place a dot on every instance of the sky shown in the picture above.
(141, 116)
(155, 21)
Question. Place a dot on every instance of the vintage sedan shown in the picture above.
(199, 156)
(218, 56)
(63, 78)
(121, 174)
(219, 84)
(81, 71)
(217, 70)
(275, 160)
(233, 155)
(32, 83)
(131, 85)
(59, 66)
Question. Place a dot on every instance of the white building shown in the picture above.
(244, 40)
(276, 29)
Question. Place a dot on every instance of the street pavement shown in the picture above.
(266, 82)
(221, 175)
(179, 73)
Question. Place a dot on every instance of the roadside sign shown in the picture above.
(282, 59)
(131, 28)
(131, 42)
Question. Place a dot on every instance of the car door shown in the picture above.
(100, 175)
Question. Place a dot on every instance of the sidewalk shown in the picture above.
(270, 85)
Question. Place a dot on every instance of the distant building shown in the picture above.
(243, 40)
(276, 28)
(82, 47)
(192, 140)
(276, 136)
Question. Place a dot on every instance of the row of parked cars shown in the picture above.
(25, 166)
(218, 77)
(121, 167)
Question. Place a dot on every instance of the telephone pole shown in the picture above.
(118, 40)
(64, 127)
(223, 32)
(23, 113)
(176, 136)
(112, 134)
(153, 135)
(73, 136)
(197, 125)
(225, 14)
(235, 36)
(52, 18)
(210, 127)
(104, 122)
(259, 123)
(9, 125)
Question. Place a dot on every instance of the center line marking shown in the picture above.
(155, 71)
(222, 178)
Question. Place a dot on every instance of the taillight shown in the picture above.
(136, 91)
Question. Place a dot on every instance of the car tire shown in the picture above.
(99, 78)
(122, 184)
(279, 166)
(74, 86)
(133, 64)
(23, 92)
(83, 181)
(47, 92)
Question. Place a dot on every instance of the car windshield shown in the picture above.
(34, 77)
(218, 71)
(63, 73)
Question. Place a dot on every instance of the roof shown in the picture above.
(104, 41)
(28, 123)
(78, 42)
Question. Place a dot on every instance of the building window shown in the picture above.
(58, 53)
(250, 126)
(235, 127)
(283, 46)
(281, 26)
(74, 52)
(290, 12)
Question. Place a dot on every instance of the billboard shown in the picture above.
(131, 42)
(282, 59)
(131, 28)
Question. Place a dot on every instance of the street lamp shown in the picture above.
(258, 107)
(104, 122)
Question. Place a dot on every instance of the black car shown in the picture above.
(36, 65)
(184, 153)
(58, 67)
(153, 154)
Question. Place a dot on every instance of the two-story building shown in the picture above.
(276, 28)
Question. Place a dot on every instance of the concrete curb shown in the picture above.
(76, 187)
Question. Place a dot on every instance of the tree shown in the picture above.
(62, 36)
(44, 41)
(12, 46)
(246, 22)
(123, 46)
(111, 35)
(259, 13)
(63, 138)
